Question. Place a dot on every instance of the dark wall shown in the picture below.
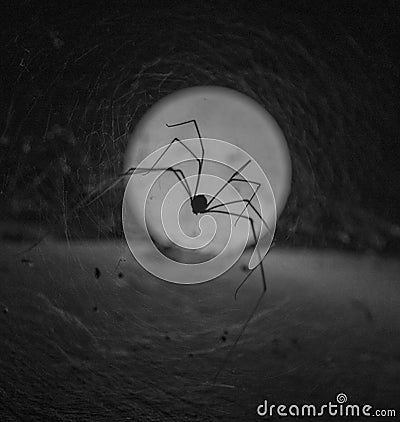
(76, 80)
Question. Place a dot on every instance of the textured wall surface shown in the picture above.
(76, 81)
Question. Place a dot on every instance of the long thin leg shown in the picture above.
(244, 326)
(178, 173)
(251, 220)
(250, 182)
(252, 196)
(89, 200)
(200, 161)
(248, 202)
(169, 146)
(235, 173)
(233, 178)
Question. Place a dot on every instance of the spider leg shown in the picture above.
(252, 196)
(90, 199)
(246, 323)
(145, 170)
(236, 172)
(178, 173)
(251, 220)
(200, 161)
(247, 276)
(248, 202)
(166, 150)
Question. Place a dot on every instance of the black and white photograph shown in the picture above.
(199, 210)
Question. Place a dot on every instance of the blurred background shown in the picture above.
(86, 333)
(75, 82)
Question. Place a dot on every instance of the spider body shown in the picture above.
(199, 204)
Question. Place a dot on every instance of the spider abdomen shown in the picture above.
(199, 204)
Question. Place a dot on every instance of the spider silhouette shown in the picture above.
(201, 205)
(198, 201)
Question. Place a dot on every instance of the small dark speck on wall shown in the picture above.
(27, 262)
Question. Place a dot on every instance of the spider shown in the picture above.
(201, 205)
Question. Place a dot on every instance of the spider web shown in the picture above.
(73, 93)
